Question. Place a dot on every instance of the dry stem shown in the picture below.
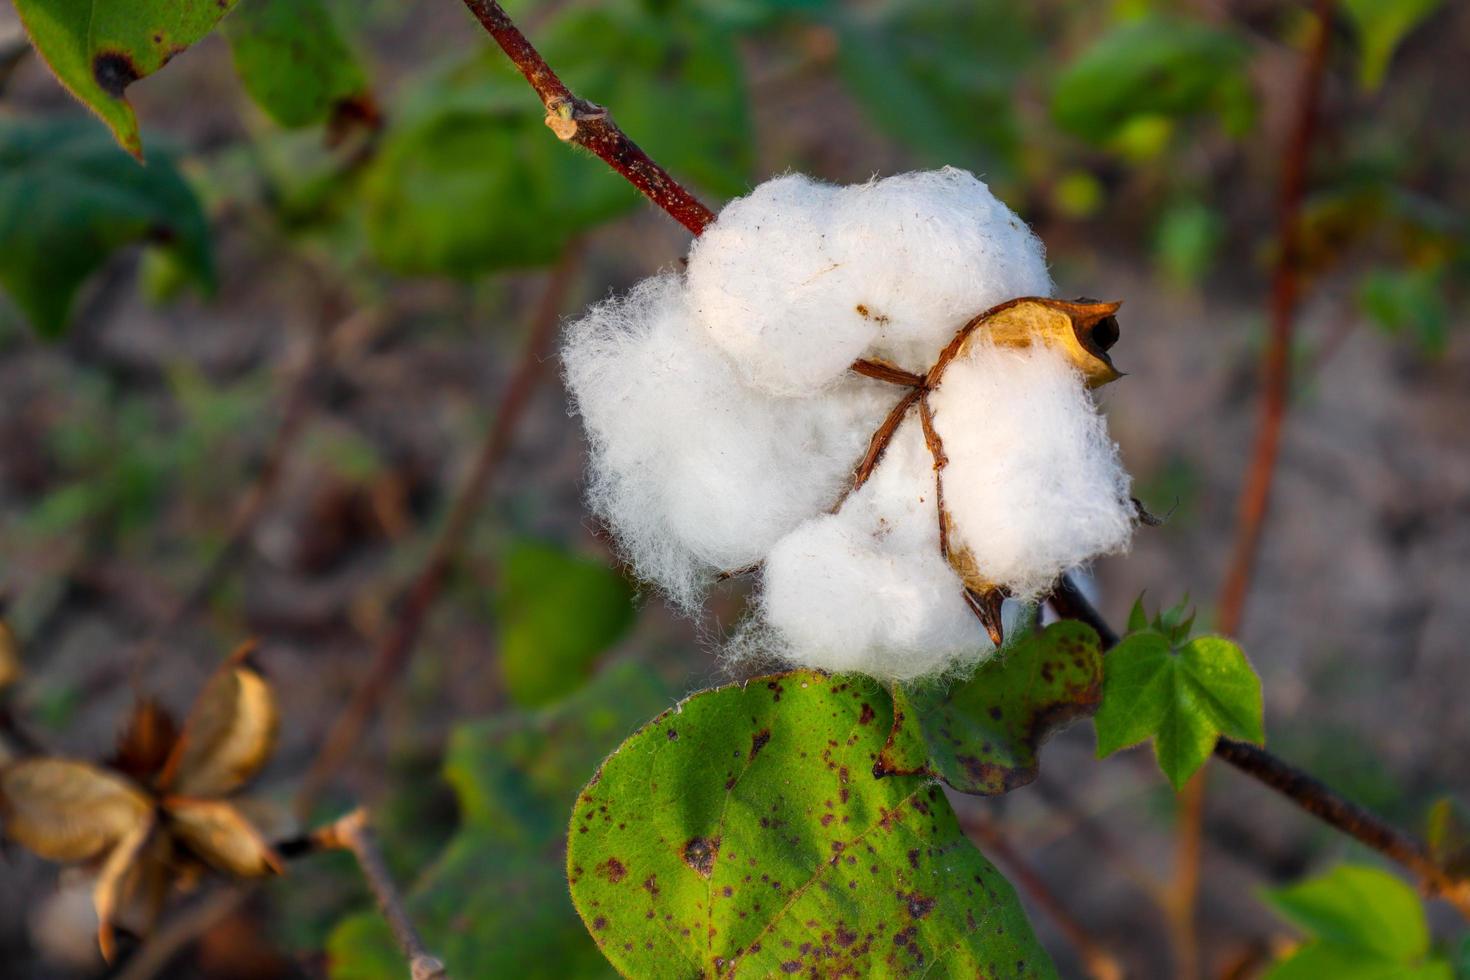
(589, 125)
(397, 648)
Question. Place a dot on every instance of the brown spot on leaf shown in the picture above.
(867, 714)
(599, 923)
(114, 71)
(758, 741)
(613, 870)
(699, 853)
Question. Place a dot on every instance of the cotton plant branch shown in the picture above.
(397, 648)
(574, 119)
(1307, 792)
(1256, 491)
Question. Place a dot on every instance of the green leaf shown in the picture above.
(743, 833)
(1187, 239)
(557, 613)
(292, 60)
(1365, 923)
(69, 198)
(982, 736)
(940, 76)
(1381, 26)
(98, 48)
(1408, 301)
(495, 903)
(469, 180)
(1155, 66)
(1184, 699)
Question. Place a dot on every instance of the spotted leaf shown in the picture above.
(744, 834)
(982, 736)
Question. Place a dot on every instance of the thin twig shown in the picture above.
(1256, 491)
(1307, 792)
(1099, 963)
(589, 125)
(353, 832)
(181, 931)
(397, 648)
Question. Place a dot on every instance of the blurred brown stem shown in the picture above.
(589, 125)
(397, 648)
(1307, 792)
(1256, 491)
(1099, 963)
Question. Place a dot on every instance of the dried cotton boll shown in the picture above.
(866, 589)
(696, 471)
(1034, 485)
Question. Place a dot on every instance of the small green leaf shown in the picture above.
(1137, 618)
(743, 833)
(495, 903)
(1188, 236)
(97, 49)
(1155, 66)
(982, 736)
(292, 60)
(1408, 301)
(1382, 26)
(557, 613)
(69, 198)
(1183, 698)
(1365, 925)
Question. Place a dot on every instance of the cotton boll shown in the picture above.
(696, 471)
(1033, 484)
(922, 253)
(866, 589)
(764, 283)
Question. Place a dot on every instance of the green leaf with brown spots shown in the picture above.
(293, 61)
(743, 834)
(982, 736)
(495, 903)
(97, 48)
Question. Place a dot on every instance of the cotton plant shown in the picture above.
(864, 395)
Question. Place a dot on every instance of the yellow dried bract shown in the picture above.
(69, 811)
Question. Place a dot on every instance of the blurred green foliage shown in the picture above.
(558, 613)
(69, 198)
(1363, 923)
(495, 903)
(292, 60)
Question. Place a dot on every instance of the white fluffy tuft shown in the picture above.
(725, 425)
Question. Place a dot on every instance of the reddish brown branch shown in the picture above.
(883, 371)
(1099, 963)
(879, 443)
(589, 125)
(397, 648)
(1302, 789)
(1285, 291)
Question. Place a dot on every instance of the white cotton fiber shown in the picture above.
(1034, 484)
(866, 589)
(726, 423)
(800, 278)
(695, 471)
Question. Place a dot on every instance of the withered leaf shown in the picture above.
(146, 743)
(228, 736)
(9, 656)
(221, 837)
(114, 879)
(69, 811)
